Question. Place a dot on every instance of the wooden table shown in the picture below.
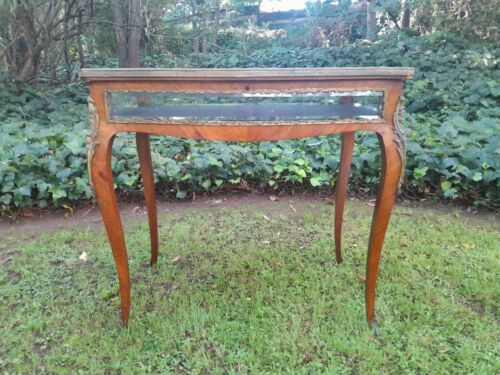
(248, 105)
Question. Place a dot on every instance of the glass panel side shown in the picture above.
(246, 107)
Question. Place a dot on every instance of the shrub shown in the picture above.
(452, 124)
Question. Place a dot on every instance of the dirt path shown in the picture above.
(89, 215)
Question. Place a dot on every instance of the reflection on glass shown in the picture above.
(245, 107)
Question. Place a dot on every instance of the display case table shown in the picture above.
(248, 105)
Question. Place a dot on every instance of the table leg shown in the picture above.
(102, 178)
(391, 171)
(341, 189)
(144, 153)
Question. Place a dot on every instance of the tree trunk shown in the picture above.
(371, 21)
(120, 31)
(81, 56)
(79, 40)
(215, 31)
(205, 30)
(196, 38)
(67, 61)
(24, 55)
(53, 58)
(134, 34)
(406, 14)
(35, 30)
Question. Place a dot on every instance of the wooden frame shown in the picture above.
(388, 130)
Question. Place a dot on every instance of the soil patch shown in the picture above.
(88, 215)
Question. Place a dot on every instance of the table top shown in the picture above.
(400, 73)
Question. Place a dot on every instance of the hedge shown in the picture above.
(452, 123)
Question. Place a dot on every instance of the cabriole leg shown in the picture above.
(102, 178)
(391, 171)
(341, 189)
(144, 152)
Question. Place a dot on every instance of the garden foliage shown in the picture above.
(452, 122)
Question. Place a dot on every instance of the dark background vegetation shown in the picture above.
(452, 112)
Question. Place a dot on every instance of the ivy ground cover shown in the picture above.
(452, 123)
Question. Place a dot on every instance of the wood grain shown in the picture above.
(347, 146)
(391, 170)
(146, 165)
(252, 74)
(105, 194)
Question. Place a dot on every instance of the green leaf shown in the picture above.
(24, 191)
(233, 61)
(5, 198)
(172, 168)
(450, 193)
(485, 103)
(181, 194)
(419, 173)
(315, 181)
(445, 185)
(279, 168)
(22, 149)
(206, 184)
(214, 162)
(495, 90)
(42, 186)
(447, 130)
(75, 145)
(63, 173)
(122, 178)
(57, 193)
(449, 162)
(300, 172)
(186, 177)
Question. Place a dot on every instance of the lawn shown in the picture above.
(255, 289)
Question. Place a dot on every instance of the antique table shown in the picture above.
(245, 105)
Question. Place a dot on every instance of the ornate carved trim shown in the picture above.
(91, 138)
(400, 137)
(291, 90)
(168, 122)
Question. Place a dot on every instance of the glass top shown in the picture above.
(244, 107)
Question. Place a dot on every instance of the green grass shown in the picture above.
(235, 303)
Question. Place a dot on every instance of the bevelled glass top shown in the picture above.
(244, 107)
